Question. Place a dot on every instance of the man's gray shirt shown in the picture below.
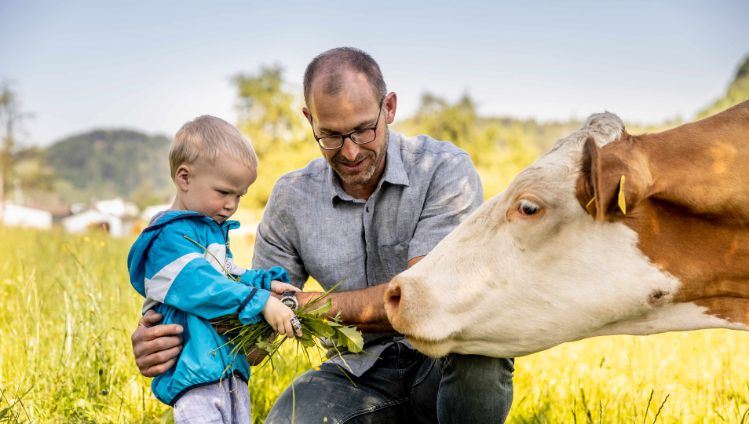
(313, 228)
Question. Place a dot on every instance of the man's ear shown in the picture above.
(608, 186)
(391, 105)
(183, 176)
(307, 114)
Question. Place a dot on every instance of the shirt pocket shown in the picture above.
(342, 268)
(394, 258)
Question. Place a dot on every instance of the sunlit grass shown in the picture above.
(68, 312)
(704, 375)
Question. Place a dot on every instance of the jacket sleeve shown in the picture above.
(179, 275)
(257, 278)
(262, 278)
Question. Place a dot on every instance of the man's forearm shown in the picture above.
(363, 308)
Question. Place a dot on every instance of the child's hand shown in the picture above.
(281, 318)
(278, 287)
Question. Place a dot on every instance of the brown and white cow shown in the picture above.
(607, 233)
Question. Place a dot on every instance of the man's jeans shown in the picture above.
(404, 386)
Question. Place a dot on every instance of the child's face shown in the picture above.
(214, 189)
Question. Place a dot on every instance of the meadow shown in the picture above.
(65, 355)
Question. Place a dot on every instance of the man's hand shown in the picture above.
(279, 287)
(156, 347)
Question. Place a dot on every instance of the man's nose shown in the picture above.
(349, 150)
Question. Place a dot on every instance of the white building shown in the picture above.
(115, 216)
(22, 216)
(117, 207)
(91, 220)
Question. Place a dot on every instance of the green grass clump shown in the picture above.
(317, 330)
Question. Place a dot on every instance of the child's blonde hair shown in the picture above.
(205, 138)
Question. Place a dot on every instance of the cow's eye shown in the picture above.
(528, 208)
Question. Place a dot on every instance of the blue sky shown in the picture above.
(152, 65)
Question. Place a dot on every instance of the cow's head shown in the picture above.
(547, 261)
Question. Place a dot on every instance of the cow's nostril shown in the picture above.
(393, 297)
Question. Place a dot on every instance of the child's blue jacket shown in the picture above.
(187, 285)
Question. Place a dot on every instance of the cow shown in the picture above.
(607, 233)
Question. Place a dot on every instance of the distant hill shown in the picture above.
(737, 92)
(107, 163)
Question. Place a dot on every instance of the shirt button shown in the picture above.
(367, 209)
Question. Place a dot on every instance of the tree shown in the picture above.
(268, 112)
(270, 115)
(498, 147)
(10, 120)
(456, 122)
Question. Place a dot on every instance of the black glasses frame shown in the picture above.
(348, 135)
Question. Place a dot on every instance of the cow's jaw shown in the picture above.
(671, 317)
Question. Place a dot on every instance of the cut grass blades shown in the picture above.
(316, 326)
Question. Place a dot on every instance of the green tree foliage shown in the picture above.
(456, 122)
(500, 147)
(32, 171)
(270, 115)
(106, 163)
(737, 92)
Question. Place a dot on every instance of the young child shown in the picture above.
(181, 263)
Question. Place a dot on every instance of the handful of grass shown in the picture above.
(315, 326)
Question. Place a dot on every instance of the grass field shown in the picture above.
(65, 356)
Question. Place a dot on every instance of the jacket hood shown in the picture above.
(136, 258)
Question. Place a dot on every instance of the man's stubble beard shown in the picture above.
(365, 176)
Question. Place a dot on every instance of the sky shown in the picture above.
(152, 65)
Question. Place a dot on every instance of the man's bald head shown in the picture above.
(329, 67)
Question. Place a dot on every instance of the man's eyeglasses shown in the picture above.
(360, 136)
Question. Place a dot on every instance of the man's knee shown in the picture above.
(329, 395)
(475, 389)
(297, 403)
(478, 368)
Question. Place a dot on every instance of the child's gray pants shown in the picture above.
(227, 401)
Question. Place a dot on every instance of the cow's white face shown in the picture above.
(530, 269)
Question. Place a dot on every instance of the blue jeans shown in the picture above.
(404, 386)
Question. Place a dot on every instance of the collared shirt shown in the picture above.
(312, 227)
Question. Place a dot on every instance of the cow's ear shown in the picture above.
(602, 187)
(588, 184)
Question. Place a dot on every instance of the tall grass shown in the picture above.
(687, 377)
(68, 312)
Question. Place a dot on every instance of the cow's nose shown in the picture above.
(392, 298)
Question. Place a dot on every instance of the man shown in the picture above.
(375, 205)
